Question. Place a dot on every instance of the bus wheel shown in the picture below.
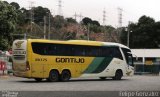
(65, 76)
(53, 76)
(38, 79)
(102, 78)
(118, 75)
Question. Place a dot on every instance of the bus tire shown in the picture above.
(65, 75)
(102, 78)
(38, 79)
(53, 76)
(118, 75)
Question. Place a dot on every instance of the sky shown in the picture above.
(132, 9)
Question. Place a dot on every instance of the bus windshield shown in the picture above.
(128, 56)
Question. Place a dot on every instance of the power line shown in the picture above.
(31, 13)
(120, 17)
(78, 15)
(104, 16)
(60, 8)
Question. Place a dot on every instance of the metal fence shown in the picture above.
(5, 65)
(147, 69)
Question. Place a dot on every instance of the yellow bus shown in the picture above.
(61, 60)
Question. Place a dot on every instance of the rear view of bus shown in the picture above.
(20, 65)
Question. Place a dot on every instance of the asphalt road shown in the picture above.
(90, 87)
(135, 83)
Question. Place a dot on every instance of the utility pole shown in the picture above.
(128, 36)
(75, 16)
(31, 13)
(88, 32)
(49, 25)
(78, 15)
(44, 27)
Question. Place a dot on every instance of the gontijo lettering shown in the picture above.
(70, 60)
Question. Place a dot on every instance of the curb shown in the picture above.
(5, 76)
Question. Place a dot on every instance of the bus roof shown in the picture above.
(99, 42)
(80, 42)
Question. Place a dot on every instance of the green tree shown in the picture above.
(8, 18)
(71, 20)
(39, 13)
(156, 34)
(95, 23)
(16, 5)
(94, 28)
(87, 21)
(58, 22)
(21, 20)
(143, 34)
(123, 36)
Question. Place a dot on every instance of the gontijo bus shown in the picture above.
(61, 60)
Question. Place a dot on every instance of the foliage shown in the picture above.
(143, 34)
(69, 35)
(39, 13)
(15, 20)
(59, 21)
(71, 20)
(95, 28)
(93, 25)
(8, 19)
(87, 21)
(16, 5)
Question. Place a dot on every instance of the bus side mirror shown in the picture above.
(135, 56)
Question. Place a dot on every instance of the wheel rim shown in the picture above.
(65, 76)
(53, 76)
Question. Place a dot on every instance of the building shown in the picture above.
(146, 60)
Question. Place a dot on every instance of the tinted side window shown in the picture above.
(116, 53)
(52, 49)
(39, 48)
(75, 50)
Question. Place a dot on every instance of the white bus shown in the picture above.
(61, 60)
